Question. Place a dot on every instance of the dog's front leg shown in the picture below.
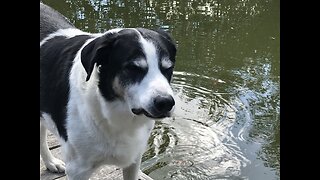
(132, 172)
(52, 163)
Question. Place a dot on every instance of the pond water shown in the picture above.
(226, 82)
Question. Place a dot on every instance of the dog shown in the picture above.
(100, 94)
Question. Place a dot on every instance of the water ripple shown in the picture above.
(199, 142)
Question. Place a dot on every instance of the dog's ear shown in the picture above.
(168, 38)
(91, 53)
(164, 34)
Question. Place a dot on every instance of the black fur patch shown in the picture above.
(124, 50)
(113, 53)
(56, 59)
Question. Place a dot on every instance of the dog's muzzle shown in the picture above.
(160, 108)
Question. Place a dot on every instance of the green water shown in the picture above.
(226, 82)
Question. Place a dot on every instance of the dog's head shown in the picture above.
(134, 66)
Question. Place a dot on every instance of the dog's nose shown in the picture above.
(164, 103)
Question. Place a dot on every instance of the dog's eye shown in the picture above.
(134, 68)
(167, 70)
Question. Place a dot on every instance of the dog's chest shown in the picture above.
(123, 149)
(120, 148)
(126, 148)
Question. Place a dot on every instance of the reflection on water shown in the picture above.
(226, 81)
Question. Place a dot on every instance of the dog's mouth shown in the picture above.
(141, 111)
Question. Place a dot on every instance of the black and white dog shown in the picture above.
(100, 94)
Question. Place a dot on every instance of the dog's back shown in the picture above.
(51, 21)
